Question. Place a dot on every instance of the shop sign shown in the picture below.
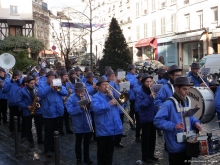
(186, 39)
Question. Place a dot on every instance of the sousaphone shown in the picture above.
(7, 61)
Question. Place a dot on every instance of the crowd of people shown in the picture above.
(93, 108)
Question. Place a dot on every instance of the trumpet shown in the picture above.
(119, 105)
(86, 110)
(35, 104)
(123, 97)
(57, 88)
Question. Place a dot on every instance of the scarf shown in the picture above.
(146, 90)
(31, 91)
(179, 98)
(3, 78)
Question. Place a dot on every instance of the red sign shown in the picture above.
(53, 47)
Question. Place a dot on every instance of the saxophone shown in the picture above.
(35, 104)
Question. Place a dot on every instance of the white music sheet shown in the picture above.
(124, 85)
(57, 82)
(121, 75)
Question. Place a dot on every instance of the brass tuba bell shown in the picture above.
(57, 88)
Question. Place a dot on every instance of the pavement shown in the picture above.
(125, 156)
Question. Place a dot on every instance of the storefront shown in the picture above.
(167, 50)
(147, 48)
(190, 47)
(216, 41)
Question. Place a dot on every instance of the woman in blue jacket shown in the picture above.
(81, 124)
(146, 109)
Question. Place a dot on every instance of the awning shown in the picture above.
(194, 36)
(13, 22)
(216, 33)
(145, 42)
(49, 52)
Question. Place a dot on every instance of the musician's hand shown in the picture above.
(82, 97)
(94, 86)
(202, 85)
(198, 126)
(112, 102)
(69, 90)
(180, 126)
(38, 98)
(152, 95)
(30, 107)
(110, 93)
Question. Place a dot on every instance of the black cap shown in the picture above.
(24, 80)
(63, 72)
(173, 68)
(79, 86)
(16, 73)
(140, 75)
(34, 76)
(131, 66)
(43, 70)
(77, 69)
(145, 76)
(107, 68)
(3, 70)
(109, 72)
(195, 65)
(90, 74)
(182, 81)
(101, 80)
(50, 73)
(87, 69)
(72, 71)
(161, 71)
(29, 78)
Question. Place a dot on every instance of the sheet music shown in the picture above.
(156, 87)
(57, 82)
(121, 75)
(124, 85)
(205, 71)
(155, 77)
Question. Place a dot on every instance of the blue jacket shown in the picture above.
(105, 76)
(137, 88)
(85, 79)
(133, 81)
(90, 89)
(146, 107)
(164, 93)
(217, 98)
(195, 80)
(166, 119)
(42, 79)
(78, 115)
(106, 117)
(162, 81)
(3, 95)
(24, 100)
(51, 101)
(12, 89)
(36, 74)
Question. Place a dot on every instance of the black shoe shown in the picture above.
(147, 160)
(154, 158)
(48, 154)
(40, 142)
(61, 133)
(88, 161)
(123, 135)
(78, 162)
(159, 133)
(119, 145)
(138, 139)
(31, 144)
(69, 131)
(133, 127)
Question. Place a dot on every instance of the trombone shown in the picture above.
(123, 97)
(86, 110)
(119, 105)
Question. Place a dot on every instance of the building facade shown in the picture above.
(16, 18)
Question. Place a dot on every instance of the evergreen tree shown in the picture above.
(116, 52)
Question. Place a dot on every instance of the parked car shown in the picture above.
(85, 60)
(212, 62)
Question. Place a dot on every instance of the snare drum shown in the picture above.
(203, 97)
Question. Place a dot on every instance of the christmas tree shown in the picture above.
(116, 52)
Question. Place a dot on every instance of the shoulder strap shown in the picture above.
(177, 104)
(171, 86)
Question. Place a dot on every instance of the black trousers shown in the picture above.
(105, 150)
(13, 111)
(148, 139)
(78, 150)
(132, 111)
(50, 125)
(138, 125)
(27, 120)
(179, 158)
(93, 125)
(3, 110)
(65, 117)
(118, 137)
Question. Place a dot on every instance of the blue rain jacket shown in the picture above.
(11, 89)
(3, 95)
(146, 107)
(85, 79)
(106, 117)
(164, 93)
(137, 88)
(132, 78)
(36, 74)
(166, 119)
(90, 89)
(162, 81)
(51, 101)
(42, 79)
(24, 100)
(217, 98)
(195, 80)
(78, 115)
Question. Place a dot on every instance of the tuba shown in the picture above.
(35, 104)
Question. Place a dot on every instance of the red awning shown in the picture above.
(145, 42)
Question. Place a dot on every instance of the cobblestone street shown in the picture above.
(126, 156)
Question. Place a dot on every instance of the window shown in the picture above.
(138, 32)
(163, 25)
(200, 19)
(137, 10)
(14, 10)
(187, 20)
(154, 28)
(145, 30)
(153, 5)
(144, 7)
(215, 14)
(173, 22)
(173, 1)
